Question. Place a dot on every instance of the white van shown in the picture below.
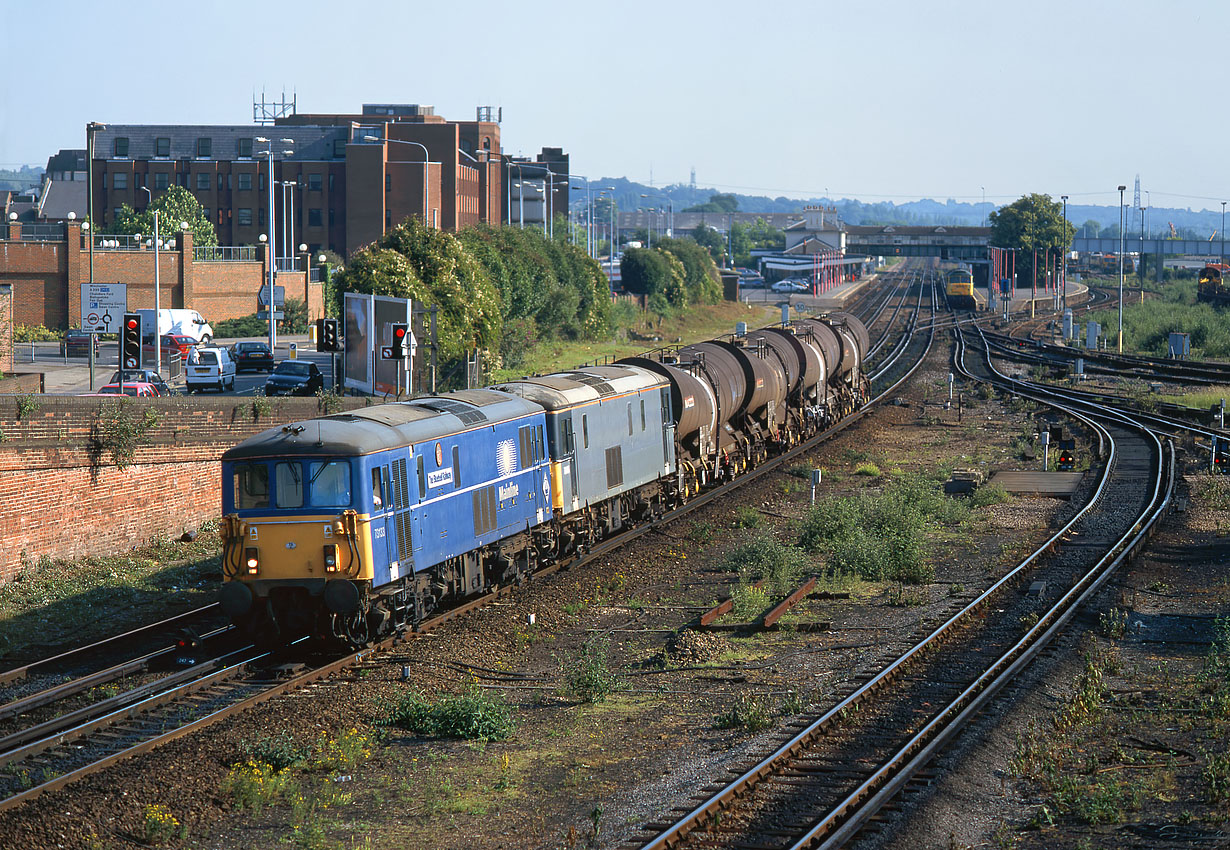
(186, 322)
(209, 367)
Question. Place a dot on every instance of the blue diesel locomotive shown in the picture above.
(349, 526)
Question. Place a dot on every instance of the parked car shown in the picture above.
(210, 367)
(134, 390)
(252, 355)
(295, 377)
(76, 343)
(791, 286)
(144, 376)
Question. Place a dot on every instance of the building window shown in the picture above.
(388, 182)
(339, 148)
(245, 182)
(104, 181)
(243, 217)
(161, 180)
(219, 182)
(330, 182)
(330, 217)
(121, 146)
(204, 147)
(119, 180)
(181, 179)
(205, 212)
(245, 147)
(202, 182)
(162, 146)
(314, 218)
(260, 181)
(314, 182)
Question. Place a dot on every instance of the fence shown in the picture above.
(43, 232)
(224, 253)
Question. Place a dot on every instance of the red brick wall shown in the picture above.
(64, 501)
(46, 278)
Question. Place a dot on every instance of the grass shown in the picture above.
(53, 602)
(1201, 399)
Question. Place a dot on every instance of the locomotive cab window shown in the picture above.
(288, 485)
(251, 486)
(330, 483)
(377, 489)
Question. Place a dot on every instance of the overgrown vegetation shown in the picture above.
(472, 714)
(750, 712)
(119, 431)
(880, 536)
(1147, 327)
(587, 675)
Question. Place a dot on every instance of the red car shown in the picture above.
(180, 343)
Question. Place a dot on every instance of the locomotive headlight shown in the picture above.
(330, 557)
(252, 560)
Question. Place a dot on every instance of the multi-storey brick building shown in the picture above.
(344, 178)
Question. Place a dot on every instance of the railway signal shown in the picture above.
(130, 344)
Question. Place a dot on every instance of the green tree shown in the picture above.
(1031, 223)
(644, 271)
(1091, 229)
(175, 206)
(712, 241)
(719, 203)
(431, 267)
(700, 274)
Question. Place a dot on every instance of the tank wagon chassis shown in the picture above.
(352, 526)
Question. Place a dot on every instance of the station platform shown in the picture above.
(1077, 293)
(835, 299)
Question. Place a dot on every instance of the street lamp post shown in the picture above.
(1221, 259)
(271, 244)
(90, 129)
(149, 196)
(1063, 274)
(670, 203)
(1121, 190)
(426, 173)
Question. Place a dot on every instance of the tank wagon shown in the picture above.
(349, 526)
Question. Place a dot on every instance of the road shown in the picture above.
(71, 375)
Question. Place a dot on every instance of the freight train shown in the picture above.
(350, 526)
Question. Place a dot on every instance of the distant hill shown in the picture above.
(27, 177)
(1191, 224)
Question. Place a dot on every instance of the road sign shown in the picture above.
(103, 306)
(279, 296)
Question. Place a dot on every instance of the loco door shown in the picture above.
(563, 470)
(384, 526)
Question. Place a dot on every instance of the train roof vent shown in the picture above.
(602, 387)
(467, 414)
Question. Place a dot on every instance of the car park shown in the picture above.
(210, 367)
(143, 376)
(134, 390)
(790, 285)
(76, 343)
(295, 377)
(252, 355)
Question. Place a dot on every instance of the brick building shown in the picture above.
(341, 180)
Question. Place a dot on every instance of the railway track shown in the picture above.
(72, 744)
(820, 787)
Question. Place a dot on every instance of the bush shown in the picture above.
(295, 322)
(474, 714)
(763, 557)
(880, 536)
(988, 494)
(587, 675)
(278, 752)
(34, 333)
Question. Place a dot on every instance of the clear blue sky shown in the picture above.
(872, 100)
